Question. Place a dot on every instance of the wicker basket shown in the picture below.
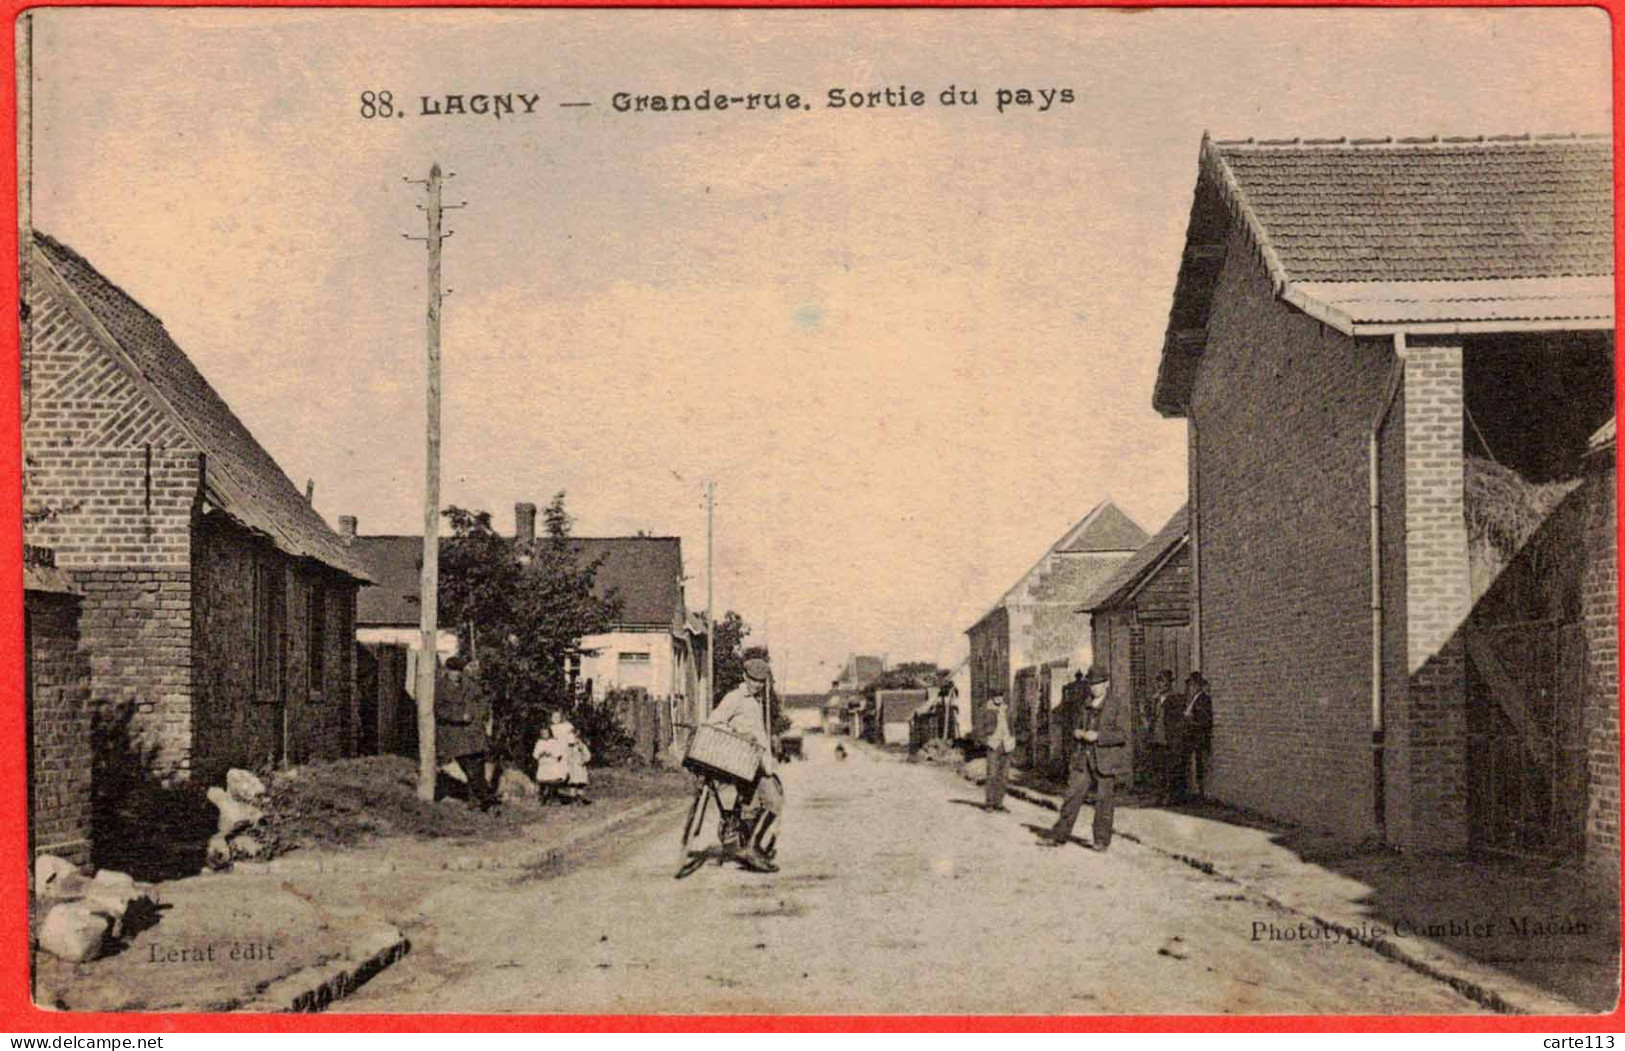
(718, 753)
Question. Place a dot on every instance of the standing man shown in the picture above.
(1100, 756)
(1000, 743)
(1198, 736)
(743, 712)
(462, 727)
(1164, 721)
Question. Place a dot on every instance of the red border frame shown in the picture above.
(17, 1012)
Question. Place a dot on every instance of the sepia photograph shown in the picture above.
(837, 513)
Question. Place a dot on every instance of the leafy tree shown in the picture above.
(731, 655)
(522, 611)
(728, 649)
(778, 723)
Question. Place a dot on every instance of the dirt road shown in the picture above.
(897, 895)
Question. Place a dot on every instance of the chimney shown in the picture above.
(524, 522)
(347, 526)
(310, 490)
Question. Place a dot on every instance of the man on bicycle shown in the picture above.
(743, 712)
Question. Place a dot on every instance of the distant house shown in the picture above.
(652, 646)
(1387, 354)
(216, 607)
(805, 711)
(1037, 620)
(1141, 620)
(859, 672)
(897, 708)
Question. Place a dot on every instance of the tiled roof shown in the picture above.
(241, 477)
(1142, 562)
(1380, 236)
(1104, 530)
(644, 572)
(897, 706)
(1424, 210)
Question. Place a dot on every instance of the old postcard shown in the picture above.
(817, 512)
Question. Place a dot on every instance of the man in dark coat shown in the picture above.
(462, 726)
(1197, 739)
(1100, 755)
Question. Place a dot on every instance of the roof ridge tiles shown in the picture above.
(1504, 138)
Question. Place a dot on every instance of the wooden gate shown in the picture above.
(1526, 755)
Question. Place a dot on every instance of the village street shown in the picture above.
(897, 894)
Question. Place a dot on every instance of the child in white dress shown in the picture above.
(552, 766)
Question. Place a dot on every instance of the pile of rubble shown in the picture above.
(938, 750)
(89, 913)
(242, 831)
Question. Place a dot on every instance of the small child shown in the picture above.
(552, 766)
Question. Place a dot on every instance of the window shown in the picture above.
(267, 629)
(316, 636)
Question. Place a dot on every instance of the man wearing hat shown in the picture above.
(742, 712)
(1100, 755)
(1000, 743)
(462, 727)
(1198, 737)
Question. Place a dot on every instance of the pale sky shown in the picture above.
(911, 346)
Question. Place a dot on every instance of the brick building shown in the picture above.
(1037, 621)
(56, 681)
(1361, 334)
(217, 608)
(1141, 620)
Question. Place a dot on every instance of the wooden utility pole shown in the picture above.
(429, 607)
(710, 613)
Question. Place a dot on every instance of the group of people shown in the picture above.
(1179, 730)
(463, 741)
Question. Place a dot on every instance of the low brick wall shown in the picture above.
(58, 726)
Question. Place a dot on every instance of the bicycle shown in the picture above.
(718, 759)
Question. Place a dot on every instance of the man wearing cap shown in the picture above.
(741, 712)
(1000, 743)
(1100, 756)
(462, 727)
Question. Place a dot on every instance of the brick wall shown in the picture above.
(1601, 617)
(989, 662)
(1430, 724)
(258, 700)
(1283, 407)
(59, 727)
(1057, 631)
(1395, 631)
(111, 485)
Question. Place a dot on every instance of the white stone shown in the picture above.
(219, 852)
(48, 868)
(235, 815)
(56, 879)
(74, 931)
(114, 878)
(244, 785)
(516, 784)
(245, 845)
(974, 771)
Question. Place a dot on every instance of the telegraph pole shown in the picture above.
(710, 613)
(429, 606)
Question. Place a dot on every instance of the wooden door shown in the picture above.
(1526, 686)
